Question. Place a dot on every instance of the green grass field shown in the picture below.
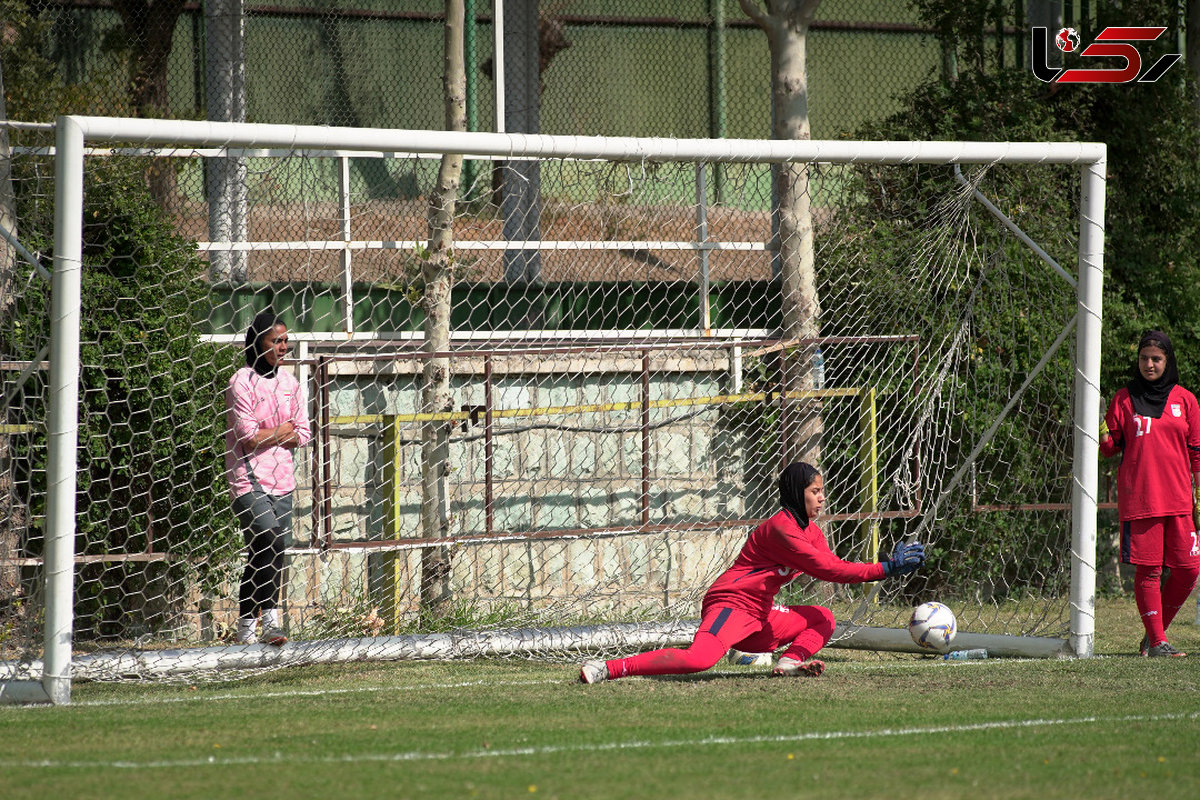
(1116, 726)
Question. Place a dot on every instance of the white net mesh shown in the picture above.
(624, 387)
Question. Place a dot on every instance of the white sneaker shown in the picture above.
(742, 659)
(245, 632)
(274, 637)
(593, 672)
(791, 668)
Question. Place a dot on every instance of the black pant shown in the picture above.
(266, 526)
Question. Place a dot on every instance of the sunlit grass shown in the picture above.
(872, 726)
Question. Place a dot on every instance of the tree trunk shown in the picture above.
(11, 512)
(225, 98)
(149, 31)
(786, 24)
(438, 270)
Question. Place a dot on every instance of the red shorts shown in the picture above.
(1161, 542)
(783, 625)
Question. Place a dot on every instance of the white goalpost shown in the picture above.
(624, 385)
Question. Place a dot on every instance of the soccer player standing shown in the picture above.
(1154, 423)
(738, 610)
(266, 421)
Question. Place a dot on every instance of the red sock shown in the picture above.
(706, 650)
(1175, 592)
(806, 645)
(1148, 594)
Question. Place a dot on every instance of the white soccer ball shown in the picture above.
(933, 626)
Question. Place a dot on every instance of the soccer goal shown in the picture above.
(546, 439)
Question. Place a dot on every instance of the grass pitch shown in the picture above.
(1115, 726)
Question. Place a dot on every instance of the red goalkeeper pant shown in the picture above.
(805, 629)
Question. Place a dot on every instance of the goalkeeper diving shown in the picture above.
(739, 609)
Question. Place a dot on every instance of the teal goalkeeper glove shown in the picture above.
(906, 558)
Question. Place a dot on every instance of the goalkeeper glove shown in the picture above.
(905, 559)
(1103, 428)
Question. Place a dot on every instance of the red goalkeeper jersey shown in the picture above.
(1158, 455)
(775, 554)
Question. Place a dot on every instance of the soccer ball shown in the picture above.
(933, 626)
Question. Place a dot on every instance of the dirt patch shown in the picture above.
(383, 224)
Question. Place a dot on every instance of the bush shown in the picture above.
(150, 457)
(1152, 278)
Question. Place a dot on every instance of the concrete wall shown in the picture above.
(568, 469)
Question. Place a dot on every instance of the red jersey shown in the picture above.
(775, 554)
(1158, 455)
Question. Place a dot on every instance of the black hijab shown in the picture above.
(264, 322)
(1150, 397)
(792, 482)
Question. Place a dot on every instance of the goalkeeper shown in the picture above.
(739, 611)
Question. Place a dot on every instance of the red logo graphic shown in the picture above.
(1111, 43)
(1067, 40)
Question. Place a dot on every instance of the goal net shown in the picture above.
(549, 442)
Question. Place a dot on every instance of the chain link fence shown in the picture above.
(673, 68)
(557, 428)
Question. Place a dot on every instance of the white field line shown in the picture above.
(570, 671)
(426, 755)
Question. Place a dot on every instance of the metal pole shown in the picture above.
(644, 500)
(716, 88)
(316, 457)
(62, 423)
(701, 238)
(498, 61)
(868, 420)
(225, 98)
(347, 257)
(471, 68)
(489, 450)
(326, 454)
(1087, 409)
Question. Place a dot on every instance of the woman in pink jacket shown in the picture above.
(739, 609)
(265, 422)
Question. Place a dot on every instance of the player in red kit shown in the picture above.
(1154, 423)
(738, 610)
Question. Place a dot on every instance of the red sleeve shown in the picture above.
(809, 552)
(1193, 433)
(1115, 419)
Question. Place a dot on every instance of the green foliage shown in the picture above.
(32, 88)
(1152, 236)
(1006, 329)
(965, 28)
(150, 456)
(1152, 132)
